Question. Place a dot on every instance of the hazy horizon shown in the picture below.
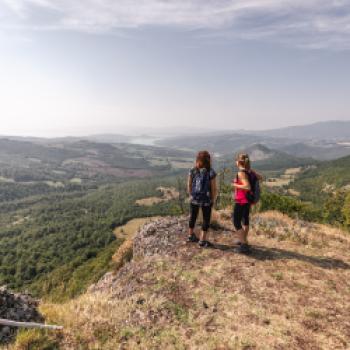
(152, 131)
(77, 68)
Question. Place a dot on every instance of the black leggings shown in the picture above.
(206, 210)
(240, 215)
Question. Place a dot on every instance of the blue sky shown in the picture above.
(81, 67)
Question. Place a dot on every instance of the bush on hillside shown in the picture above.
(346, 210)
(290, 206)
(333, 208)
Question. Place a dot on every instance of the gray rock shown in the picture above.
(16, 307)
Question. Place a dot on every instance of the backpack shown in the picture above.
(253, 196)
(201, 186)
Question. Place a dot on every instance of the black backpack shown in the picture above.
(201, 185)
(253, 196)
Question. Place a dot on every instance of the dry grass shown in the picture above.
(76, 180)
(293, 171)
(277, 182)
(6, 179)
(132, 226)
(123, 254)
(293, 192)
(168, 194)
(292, 292)
(55, 184)
(128, 231)
(285, 179)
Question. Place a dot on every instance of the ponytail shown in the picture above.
(243, 161)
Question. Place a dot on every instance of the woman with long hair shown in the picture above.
(201, 186)
(242, 187)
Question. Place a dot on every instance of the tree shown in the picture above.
(333, 208)
(224, 188)
(181, 188)
(346, 210)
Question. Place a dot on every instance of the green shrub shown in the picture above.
(290, 206)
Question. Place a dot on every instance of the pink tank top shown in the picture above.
(239, 194)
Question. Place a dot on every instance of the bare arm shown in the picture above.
(189, 184)
(214, 190)
(245, 185)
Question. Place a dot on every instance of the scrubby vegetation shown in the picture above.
(290, 206)
(323, 207)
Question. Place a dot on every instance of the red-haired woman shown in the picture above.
(201, 186)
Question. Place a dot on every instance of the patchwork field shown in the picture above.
(284, 179)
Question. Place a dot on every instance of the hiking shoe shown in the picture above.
(204, 244)
(243, 248)
(192, 238)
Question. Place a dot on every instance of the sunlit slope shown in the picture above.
(292, 292)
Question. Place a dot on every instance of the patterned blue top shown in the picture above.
(212, 174)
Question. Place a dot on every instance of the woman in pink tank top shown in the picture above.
(241, 211)
(240, 193)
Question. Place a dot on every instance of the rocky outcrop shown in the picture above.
(164, 236)
(160, 237)
(16, 307)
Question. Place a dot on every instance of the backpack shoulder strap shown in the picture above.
(193, 171)
(248, 173)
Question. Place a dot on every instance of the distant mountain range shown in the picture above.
(265, 158)
(322, 141)
(330, 130)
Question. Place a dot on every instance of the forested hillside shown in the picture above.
(324, 177)
(324, 188)
(52, 245)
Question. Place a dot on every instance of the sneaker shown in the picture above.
(192, 238)
(204, 244)
(242, 249)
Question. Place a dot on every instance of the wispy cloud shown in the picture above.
(302, 23)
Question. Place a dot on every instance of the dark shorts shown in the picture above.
(240, 215)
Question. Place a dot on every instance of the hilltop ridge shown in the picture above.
(291, 292)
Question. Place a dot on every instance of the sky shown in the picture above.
(72, 67)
